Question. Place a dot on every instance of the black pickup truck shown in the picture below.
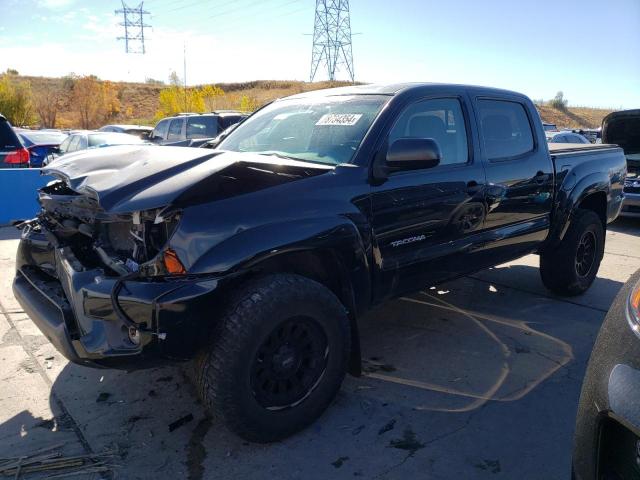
(256, 259)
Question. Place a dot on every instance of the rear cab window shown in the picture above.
(505, 129)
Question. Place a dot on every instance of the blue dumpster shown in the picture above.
(18, 193)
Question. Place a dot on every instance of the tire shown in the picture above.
(571, 267)
(278, 357)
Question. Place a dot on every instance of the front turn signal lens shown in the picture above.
(633, 309)
(172, 263)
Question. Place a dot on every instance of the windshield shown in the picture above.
(103, 139)
(324, 130)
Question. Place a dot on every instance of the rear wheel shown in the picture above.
(571, 267)
(278, 357)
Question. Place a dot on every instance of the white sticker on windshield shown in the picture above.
(343, 119)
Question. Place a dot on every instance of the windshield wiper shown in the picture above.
(297, 159)
(281, 155)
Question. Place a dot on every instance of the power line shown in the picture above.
(332, 38)
(133, 27)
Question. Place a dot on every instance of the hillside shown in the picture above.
(139, 101)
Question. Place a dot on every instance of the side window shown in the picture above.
(175, 129)
(506, 131)
(161, 130)
(82, 143)
(73, 145)
(228, 120)
(440, 119)
(202, 127)
(64, 146)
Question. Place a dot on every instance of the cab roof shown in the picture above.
(391, 89)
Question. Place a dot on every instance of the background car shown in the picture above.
(549, 127)
(82, 140)
(194, 129)
(137, 130)
(41, 144)
(566, 137)
(12, 152)
(607, 435)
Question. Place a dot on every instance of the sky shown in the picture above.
(589, 49)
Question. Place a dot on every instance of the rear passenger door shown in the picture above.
(519, 173)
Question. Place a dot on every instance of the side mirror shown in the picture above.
(413, 154)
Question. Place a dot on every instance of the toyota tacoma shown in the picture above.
(255, 260)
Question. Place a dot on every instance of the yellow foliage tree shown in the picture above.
(175, 99)
(16, 102)
(210, 94)
(248, 104)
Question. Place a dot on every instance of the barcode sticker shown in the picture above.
(342, 119)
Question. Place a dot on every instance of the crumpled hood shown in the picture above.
(131, 178)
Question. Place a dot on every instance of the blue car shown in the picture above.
(41, 144)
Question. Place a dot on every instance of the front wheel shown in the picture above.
(571, 267)
(278, 357)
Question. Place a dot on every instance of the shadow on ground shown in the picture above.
(460, 380)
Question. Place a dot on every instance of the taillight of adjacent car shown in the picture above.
(19, 158)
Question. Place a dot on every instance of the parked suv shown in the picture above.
(12, 153)
(194, 129)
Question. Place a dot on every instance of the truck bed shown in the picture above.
(555, 148)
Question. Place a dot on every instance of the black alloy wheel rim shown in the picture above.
(586, 254)
(289, 364)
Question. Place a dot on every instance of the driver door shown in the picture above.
(426, 223)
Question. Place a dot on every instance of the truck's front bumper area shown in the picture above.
(631, 205)
(74, 308)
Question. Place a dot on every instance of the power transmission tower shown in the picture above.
(133, 27)
(332, 38)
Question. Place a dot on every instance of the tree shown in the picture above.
(209, 95)
(47, 103)
(95, 101)
(174, 79)
(175, 99)
(12, 71)
(16, 100)
(248, 104)
(559, 102)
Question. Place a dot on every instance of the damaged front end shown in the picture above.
(121, 243)
(104, 287)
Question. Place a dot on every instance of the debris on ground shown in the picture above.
(48, 362)
(50, 459)
(375, 364)
(180, 422)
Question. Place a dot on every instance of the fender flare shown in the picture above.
(571, 196)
